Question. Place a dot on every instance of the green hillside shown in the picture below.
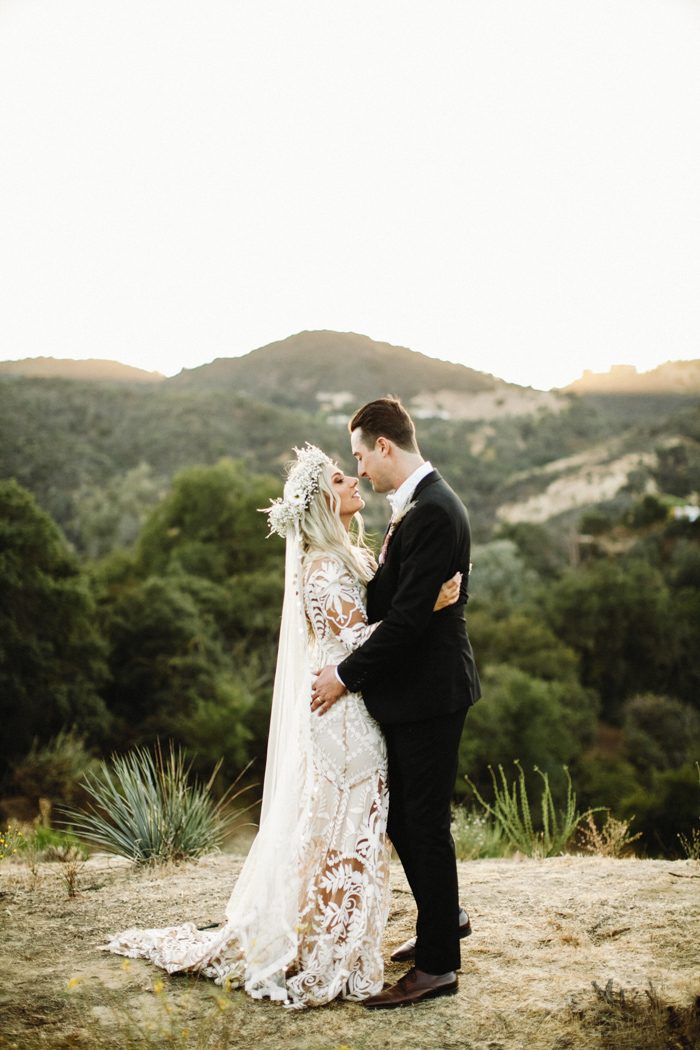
(299, 370)
(97, 455)
(159, 617)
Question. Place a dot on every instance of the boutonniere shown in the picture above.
(401, 513)
(394, 521)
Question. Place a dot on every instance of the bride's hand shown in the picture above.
(449, 592)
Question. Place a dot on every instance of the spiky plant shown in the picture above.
(147, 808)
(512, 813)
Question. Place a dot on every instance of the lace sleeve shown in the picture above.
(334, 603)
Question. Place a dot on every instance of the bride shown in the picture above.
(305, 920)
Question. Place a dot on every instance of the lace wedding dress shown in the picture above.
(306, 918)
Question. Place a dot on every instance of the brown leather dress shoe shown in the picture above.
(407, 951)
(414, 987)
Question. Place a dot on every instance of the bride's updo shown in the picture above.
(322, 531)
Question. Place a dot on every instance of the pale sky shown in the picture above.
(511, 184)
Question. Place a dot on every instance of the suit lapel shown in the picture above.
(429, 479)
(389, 535)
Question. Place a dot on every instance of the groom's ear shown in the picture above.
(383, 445)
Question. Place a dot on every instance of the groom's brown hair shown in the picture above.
(385, 417)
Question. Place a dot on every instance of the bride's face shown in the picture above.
(347, 488)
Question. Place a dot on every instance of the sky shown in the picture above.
(509, 185)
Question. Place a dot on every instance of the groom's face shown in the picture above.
(372, 462)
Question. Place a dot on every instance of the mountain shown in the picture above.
(334, 372)
(97, 454)
(66, 368)
(673, 377)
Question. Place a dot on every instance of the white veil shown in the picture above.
(264, 905)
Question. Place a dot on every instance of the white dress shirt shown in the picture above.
(402, 495)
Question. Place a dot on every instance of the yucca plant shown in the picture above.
(511, 812)
(145, 807)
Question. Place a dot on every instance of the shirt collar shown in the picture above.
(402, 495)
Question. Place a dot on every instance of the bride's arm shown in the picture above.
(333, 602)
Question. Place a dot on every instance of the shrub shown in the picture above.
(595, 522)
(647, 511)
(146, 808)
(11, 840)
(54, 770)
(511, 811)
(49, 844)
(611, 839)
(477, 836)
(666, 809)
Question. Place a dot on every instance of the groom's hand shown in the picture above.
(325, 690)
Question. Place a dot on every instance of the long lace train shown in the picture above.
(306, 927)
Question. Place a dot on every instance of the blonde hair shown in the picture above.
(322, 531)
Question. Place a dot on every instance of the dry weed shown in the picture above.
(691, 845)
(70, 873)
(634, 1020)
(612, 839)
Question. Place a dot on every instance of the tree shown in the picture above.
(110, 514)
(165, 655)
(52, 659)
(500, 579)
(660, 733)
(617, 616)
(520, 640)
(647, 511)
(192, 617)
(665, 809)
(208, 524)
(545, 550)
(521, 717)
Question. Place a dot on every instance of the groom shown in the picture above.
(417, 677)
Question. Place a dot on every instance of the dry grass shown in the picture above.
(544, 931)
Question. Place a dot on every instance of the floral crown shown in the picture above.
(301, 486)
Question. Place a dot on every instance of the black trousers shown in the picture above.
(422, 772)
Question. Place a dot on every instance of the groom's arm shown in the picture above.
(428, 550)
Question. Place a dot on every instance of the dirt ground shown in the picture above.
(544, 931)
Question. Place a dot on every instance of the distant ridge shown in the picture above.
(673, 377)
(67, 368)
(333, 372)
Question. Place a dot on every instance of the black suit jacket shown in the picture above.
(418, 664)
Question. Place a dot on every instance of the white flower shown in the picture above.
(401, 513)
(301, 486)
(295, 499)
